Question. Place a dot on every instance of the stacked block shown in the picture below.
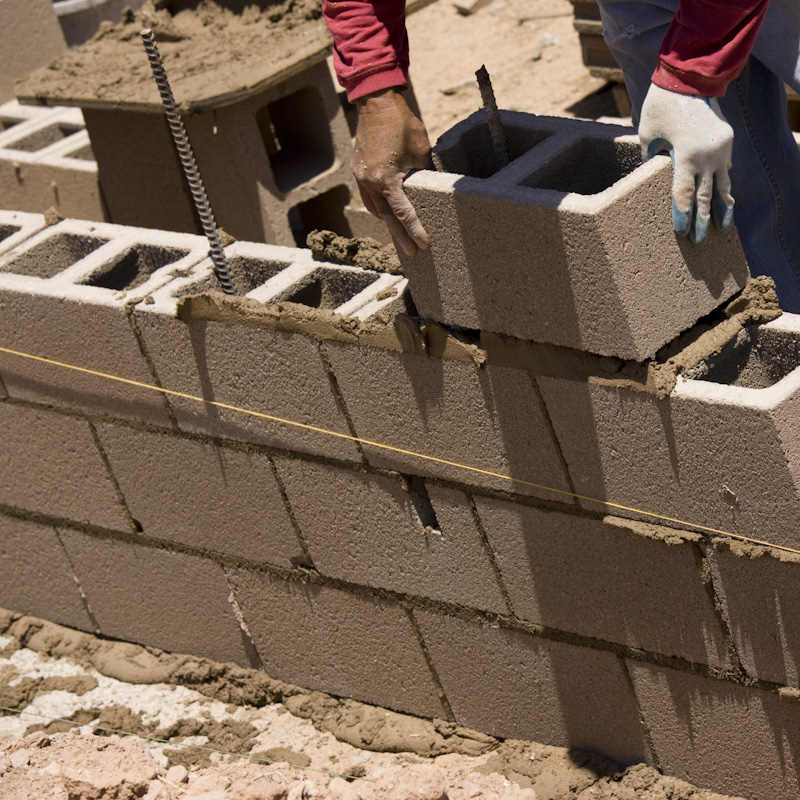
(440, 540)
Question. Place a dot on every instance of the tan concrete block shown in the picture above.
(511, 684)
(691, 455)
(209, 497)
(16, 227)
(731, 739)
(570, 244)
(615, 580)
(378, 531)
(485, 417)
(50, 464)
(35, 575)
(347, 645)
(760, 590)
(29, 37)
(176, 602)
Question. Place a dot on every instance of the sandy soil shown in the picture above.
(78, 694)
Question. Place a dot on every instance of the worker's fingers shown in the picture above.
(722, 201)
(702, 208)
(405, 213)
(393, 207)
(683, 197)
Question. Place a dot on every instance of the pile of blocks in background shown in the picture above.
(419, 585)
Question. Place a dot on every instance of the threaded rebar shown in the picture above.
(186, 155)
(493, 118)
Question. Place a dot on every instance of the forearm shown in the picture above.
(370, 45)
(707, 45)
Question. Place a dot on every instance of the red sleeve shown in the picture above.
(370, 44)
(707, 45)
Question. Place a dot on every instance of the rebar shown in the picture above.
(186, 155)
(492, 117)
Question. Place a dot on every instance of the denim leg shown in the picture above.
(765, 176)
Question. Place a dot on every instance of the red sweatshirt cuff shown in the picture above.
(689, 82)
(394, 77)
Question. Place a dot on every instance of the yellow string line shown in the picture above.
(402, 451)
(179, 744)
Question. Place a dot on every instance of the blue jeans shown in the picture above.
(765, 176)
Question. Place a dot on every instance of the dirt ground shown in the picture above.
(213, 731)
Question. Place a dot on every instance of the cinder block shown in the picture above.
(511, 684)
(279, 374)
(50, 463)
(275, 164)
(35, 575)
(81, 20)
(691, 456)
(390, 534)
(29, 38)
(487, 417)
(16, 227)
(47, 162)
(615, 580)
(201, 495)
(12, 113)
(347, 645)
(760, 590)
(63, 296)
(735, 739)
(570, 244)
(173, 601)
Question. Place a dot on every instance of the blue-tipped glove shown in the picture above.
(700, 140)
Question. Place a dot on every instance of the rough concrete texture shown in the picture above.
(47, 163)
(610, 579)
(391, 533)
(740, 740)
(512, 684)
(486, 417)
(16, 227)
(51, 465)
(759, 589)
(173, 601)
(80, 22)
(30, 37)
(35, 575)
(201, 495)
(258, 162)
(77, 278)
(348, 645)
(571, 244)
(689, 456)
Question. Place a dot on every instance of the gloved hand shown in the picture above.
(390, 142)
(700, 140)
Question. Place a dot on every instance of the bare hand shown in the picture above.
(390, 142)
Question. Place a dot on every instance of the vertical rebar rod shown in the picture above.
(186, 155)
(492, 117)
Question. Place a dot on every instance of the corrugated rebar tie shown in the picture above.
(492, 117)
(186, 155)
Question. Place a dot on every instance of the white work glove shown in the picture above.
(700, 140)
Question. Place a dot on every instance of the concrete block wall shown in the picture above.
(421, 585)
(46, 161)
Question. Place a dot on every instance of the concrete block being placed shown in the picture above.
(487, 417)
(279, 374)
(511, 684)
(390, 534)
(610, 579)
(760, 589)
(570, 244)
(690, 456)
(740, 740)
(208, 497)
(50, 464)
(335, 642)
(63, 296)
(35, 575)
(176, 602)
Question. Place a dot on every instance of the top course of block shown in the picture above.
(215, 52)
